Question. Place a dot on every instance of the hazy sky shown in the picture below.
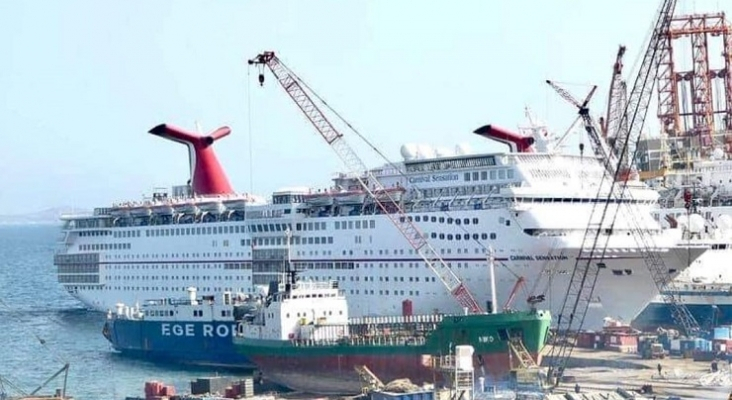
(81, 83)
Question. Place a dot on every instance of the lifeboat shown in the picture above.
(236, 204)
(187, 208)
(235, 215)
(163, 209)
(141, 211)
(395, 194)
(319, 199)
(351, 197)
(212, 206)
(122, 212)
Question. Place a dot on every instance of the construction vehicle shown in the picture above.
(369, 381)
(584, 276)
(651, 349)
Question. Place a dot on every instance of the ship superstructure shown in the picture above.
(690, 164)
(532, 208)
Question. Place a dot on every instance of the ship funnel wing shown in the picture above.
(217, 134)
(516, 142)
(207, 175)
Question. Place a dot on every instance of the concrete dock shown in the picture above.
(596, 370)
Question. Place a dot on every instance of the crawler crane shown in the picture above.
(584, 275)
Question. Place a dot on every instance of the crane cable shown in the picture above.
(385, 158)
(40, 340)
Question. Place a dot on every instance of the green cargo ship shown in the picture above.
(303, 339)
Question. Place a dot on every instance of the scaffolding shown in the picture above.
(695, 95)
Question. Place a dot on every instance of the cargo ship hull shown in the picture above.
(195, 343)
(658, 314)
(331, 375)
(328, 367)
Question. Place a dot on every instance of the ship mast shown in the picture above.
(290, 273)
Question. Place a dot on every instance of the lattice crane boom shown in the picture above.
(616, 103)
(396, 214)
(599, 148)
(584, 277)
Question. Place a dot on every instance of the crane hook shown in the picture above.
(261, 79)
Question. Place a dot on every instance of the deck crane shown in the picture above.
(295, 89)
(584, 277)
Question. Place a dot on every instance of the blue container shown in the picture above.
(702, 345)
(721, 332)
(665, 342)
(429, 395)
(687, 344)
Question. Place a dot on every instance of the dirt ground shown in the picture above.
(605, 370)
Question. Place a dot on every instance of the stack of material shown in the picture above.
(155, 390)
(587, 396)
(213, 385)
(401, 386)
(244, 388)
(419, 395)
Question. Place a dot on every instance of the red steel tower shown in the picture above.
(695, 79)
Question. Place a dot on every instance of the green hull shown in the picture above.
(398, 351)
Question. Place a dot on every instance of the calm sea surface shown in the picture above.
(43, 327)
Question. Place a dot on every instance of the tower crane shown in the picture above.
(584, 275)
(295, 88)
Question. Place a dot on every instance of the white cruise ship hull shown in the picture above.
(376, 267)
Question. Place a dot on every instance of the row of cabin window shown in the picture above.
(78, 278)
(442, 220)
(93, 233)
(78, 269)
(199, 313)
(214, 230)
(164, 288)
(494, 174)
(185, 264)
(474, 189)
(441, 165)
(465, 236)
(369, 224)
(386, 292)
(323, 265)
(176, 277)
(278, 241)
(105, 246)
(127, 233)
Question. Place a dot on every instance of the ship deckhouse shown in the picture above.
(304, 310)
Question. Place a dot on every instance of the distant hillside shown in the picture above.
(49, 216)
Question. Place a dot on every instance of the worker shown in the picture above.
(576, 388)
(659, 370)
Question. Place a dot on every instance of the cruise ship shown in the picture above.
(696, 198)
(530, 204)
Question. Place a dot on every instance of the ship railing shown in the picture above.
(360, 340)
(396, 319)
(696, 289)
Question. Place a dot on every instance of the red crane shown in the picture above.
(516, 287)
(391, 208)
